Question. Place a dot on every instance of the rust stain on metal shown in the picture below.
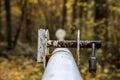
(73, 44)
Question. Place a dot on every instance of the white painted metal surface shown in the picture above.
(41, 45)
(78, 48)
(61, 66)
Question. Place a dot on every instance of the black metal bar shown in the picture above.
(72, 44)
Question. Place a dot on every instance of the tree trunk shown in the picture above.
(64, 13)
(91, 16)
(74, 11)
(100, 14)
(80, 12)
(0, 19)
(28, 22)
(20, 23)
(8, 21)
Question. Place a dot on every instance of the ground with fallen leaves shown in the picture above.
(26, 68)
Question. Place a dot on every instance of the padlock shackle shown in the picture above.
(93, 50)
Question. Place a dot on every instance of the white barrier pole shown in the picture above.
(61, 66)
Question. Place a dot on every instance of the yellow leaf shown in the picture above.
(85, 4)
(16, 9)
(79, 3)
(33, 1)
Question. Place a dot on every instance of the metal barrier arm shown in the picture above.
(72, 44)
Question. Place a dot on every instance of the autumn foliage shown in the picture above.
(21, 19)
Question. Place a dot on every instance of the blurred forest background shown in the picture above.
(21, 19)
